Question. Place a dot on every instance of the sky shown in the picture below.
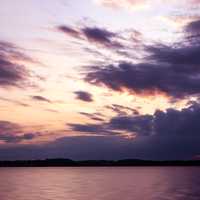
(99, 79)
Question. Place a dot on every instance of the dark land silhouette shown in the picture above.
(96, 163)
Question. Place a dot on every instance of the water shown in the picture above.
(139, 183)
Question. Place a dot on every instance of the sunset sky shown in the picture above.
(99, 79)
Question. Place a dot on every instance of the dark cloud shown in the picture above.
(193, 27)
(122, 110)
(11, 72)
(101, 36)
(8, 127)
(192, 33)
(183, 58)
(9, 138)
(101, 129)
(106, 147)
(67, 147)
(12, 52)
(129, 124)
(145, 78)
(142, 125)
(69, 31)
(97, 34)
(170, 134)
(41, 98)
(84, 96)
(184, 123)
(172, 70)
(93, 116)
(13, 133)
(172, 122)
(96, 41)
(87, 128)
(94, 35)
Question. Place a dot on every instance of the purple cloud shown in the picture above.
(13, 74)
(83, 96)
(13, 133)
(41, 98)
(169, 70)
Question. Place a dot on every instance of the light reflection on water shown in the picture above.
(136, 183)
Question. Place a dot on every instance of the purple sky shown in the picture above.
(99, 79)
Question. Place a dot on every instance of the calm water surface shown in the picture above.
(139, 183)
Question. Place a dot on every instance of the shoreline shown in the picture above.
(99, 163)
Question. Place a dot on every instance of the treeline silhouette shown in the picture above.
(96, 163)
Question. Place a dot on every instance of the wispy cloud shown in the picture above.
(12, 72)
(14, 102)
(95, 35)
(41, 99)
(127, 4)
(122, 110)
(13, 133)
(93, 116)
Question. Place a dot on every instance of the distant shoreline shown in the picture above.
(97, 163)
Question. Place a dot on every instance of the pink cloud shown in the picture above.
(138, 4)
(195, 1)
(131, 4)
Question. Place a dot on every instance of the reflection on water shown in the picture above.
(139, 183)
